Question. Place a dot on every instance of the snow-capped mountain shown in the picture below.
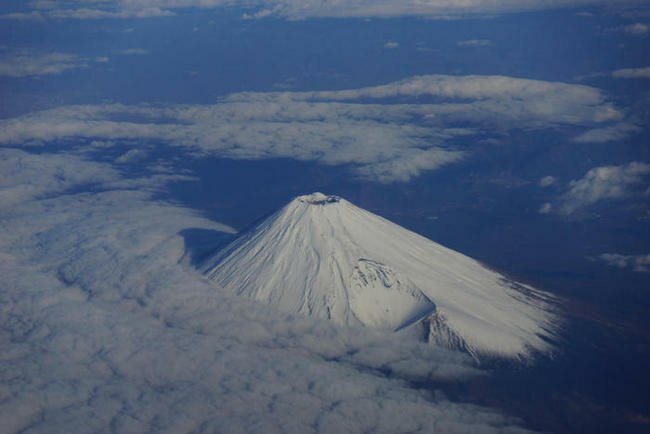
(324, 257)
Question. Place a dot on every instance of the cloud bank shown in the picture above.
(388, 133)
(104, 327)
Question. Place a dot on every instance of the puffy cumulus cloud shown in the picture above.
(105, 327)
(297, 9)
(547, 181)
(638, 263)
(632, 73)
(388, 133)
(599, 184)
(27, 64)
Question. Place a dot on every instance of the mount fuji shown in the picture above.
(324, 257)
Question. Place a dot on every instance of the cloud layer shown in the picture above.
(388, 133)
(104, 326)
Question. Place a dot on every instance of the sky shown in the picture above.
(136, 136)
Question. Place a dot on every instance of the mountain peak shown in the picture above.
(317, 198)
(353, 267)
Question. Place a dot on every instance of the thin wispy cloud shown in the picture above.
(474, 43)
(610, 133)
(28, 64)
(632, 73)
(132, 52)
(296, 9)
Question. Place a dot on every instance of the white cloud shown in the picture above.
(474, 43)
(632, 73)
(391, 44)
(599, 184)
(32, 65)
(105, 327)
(638, 263)
(296, 9)
(547, 181)
(390, 136)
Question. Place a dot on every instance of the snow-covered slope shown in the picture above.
(325, 257)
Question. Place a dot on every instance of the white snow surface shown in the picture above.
(324, 257)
